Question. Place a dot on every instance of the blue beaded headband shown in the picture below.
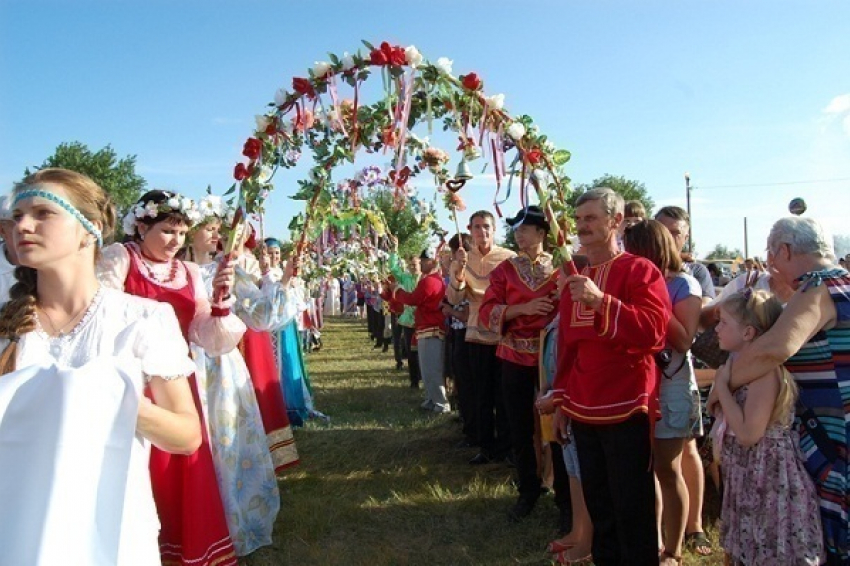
(87, 224)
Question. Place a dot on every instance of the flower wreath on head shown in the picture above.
(213, 207)
(151, 209)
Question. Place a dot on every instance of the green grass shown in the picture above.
(382, 484)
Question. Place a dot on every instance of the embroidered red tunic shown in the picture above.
(606, 370)
(428, 318)
(516, 281)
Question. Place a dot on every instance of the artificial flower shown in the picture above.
(412, 56)
(280, 97)
(242, 172)
(495, 102)
(304, 87)
(471, 81)
(293, 155)
(347, 62)
(516, 131)
(321, 69)
(444, 64)
(534, 156)
(173, 203)
(387, 54)
(252, 148)
(151, 209)
(265, 174)
(389, 136)
(262, 122)
(128, 223)
(304, 121)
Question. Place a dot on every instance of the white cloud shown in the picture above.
(838, 105)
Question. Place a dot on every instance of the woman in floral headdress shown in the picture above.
(194, 530)
(243, 462)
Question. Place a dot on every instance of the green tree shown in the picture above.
(628, 188)
(722, 252)
(116, 176)
(403, 224)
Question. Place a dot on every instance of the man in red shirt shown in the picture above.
(520, 301)
(614, 317)
(429, 323)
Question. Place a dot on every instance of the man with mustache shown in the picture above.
(614, 317)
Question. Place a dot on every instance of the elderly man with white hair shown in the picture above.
(812, 339)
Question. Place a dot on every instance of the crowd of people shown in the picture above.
(156, 381)
(582, 378)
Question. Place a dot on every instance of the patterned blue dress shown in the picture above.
(821, 369)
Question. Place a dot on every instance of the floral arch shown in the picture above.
(314, 116)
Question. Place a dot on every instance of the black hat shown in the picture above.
(531, 215)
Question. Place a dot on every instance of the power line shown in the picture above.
(772, 184)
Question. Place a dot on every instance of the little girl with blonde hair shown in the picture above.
(769, 513)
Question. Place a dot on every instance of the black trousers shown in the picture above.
(519, 390)
(560, 479)
(412, 357)
(463, 384)
(618, 485)
(398, 340)
(486, 376)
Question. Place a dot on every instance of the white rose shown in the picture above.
(445, 65)
(496, 102)
(265, 174)
(262, 122)
(321, 68)
(549, 147)
(347, 62)
(534, 130)
(412, 56)
(516, 131)
(151, 209)
(173, 203)
(280, 97)
(129, 223)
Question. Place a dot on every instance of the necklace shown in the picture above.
(152, 275)
(60, 331)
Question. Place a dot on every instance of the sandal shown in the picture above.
(666, 554)
(698, 543)
(557, 546)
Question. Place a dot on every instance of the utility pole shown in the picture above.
(688, 200)
(746, 240)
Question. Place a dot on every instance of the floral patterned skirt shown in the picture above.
(770, 513)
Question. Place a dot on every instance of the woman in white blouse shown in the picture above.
(75, 428)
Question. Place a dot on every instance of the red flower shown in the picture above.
(471, 81)
(303, 86)
(271, 129)
(534, 156)
(252, 148)
(397, 57)
(386, 54)
(242, 172)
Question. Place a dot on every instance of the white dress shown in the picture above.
(75, 486)
(332, 297)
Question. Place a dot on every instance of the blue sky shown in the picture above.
(750, 97)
